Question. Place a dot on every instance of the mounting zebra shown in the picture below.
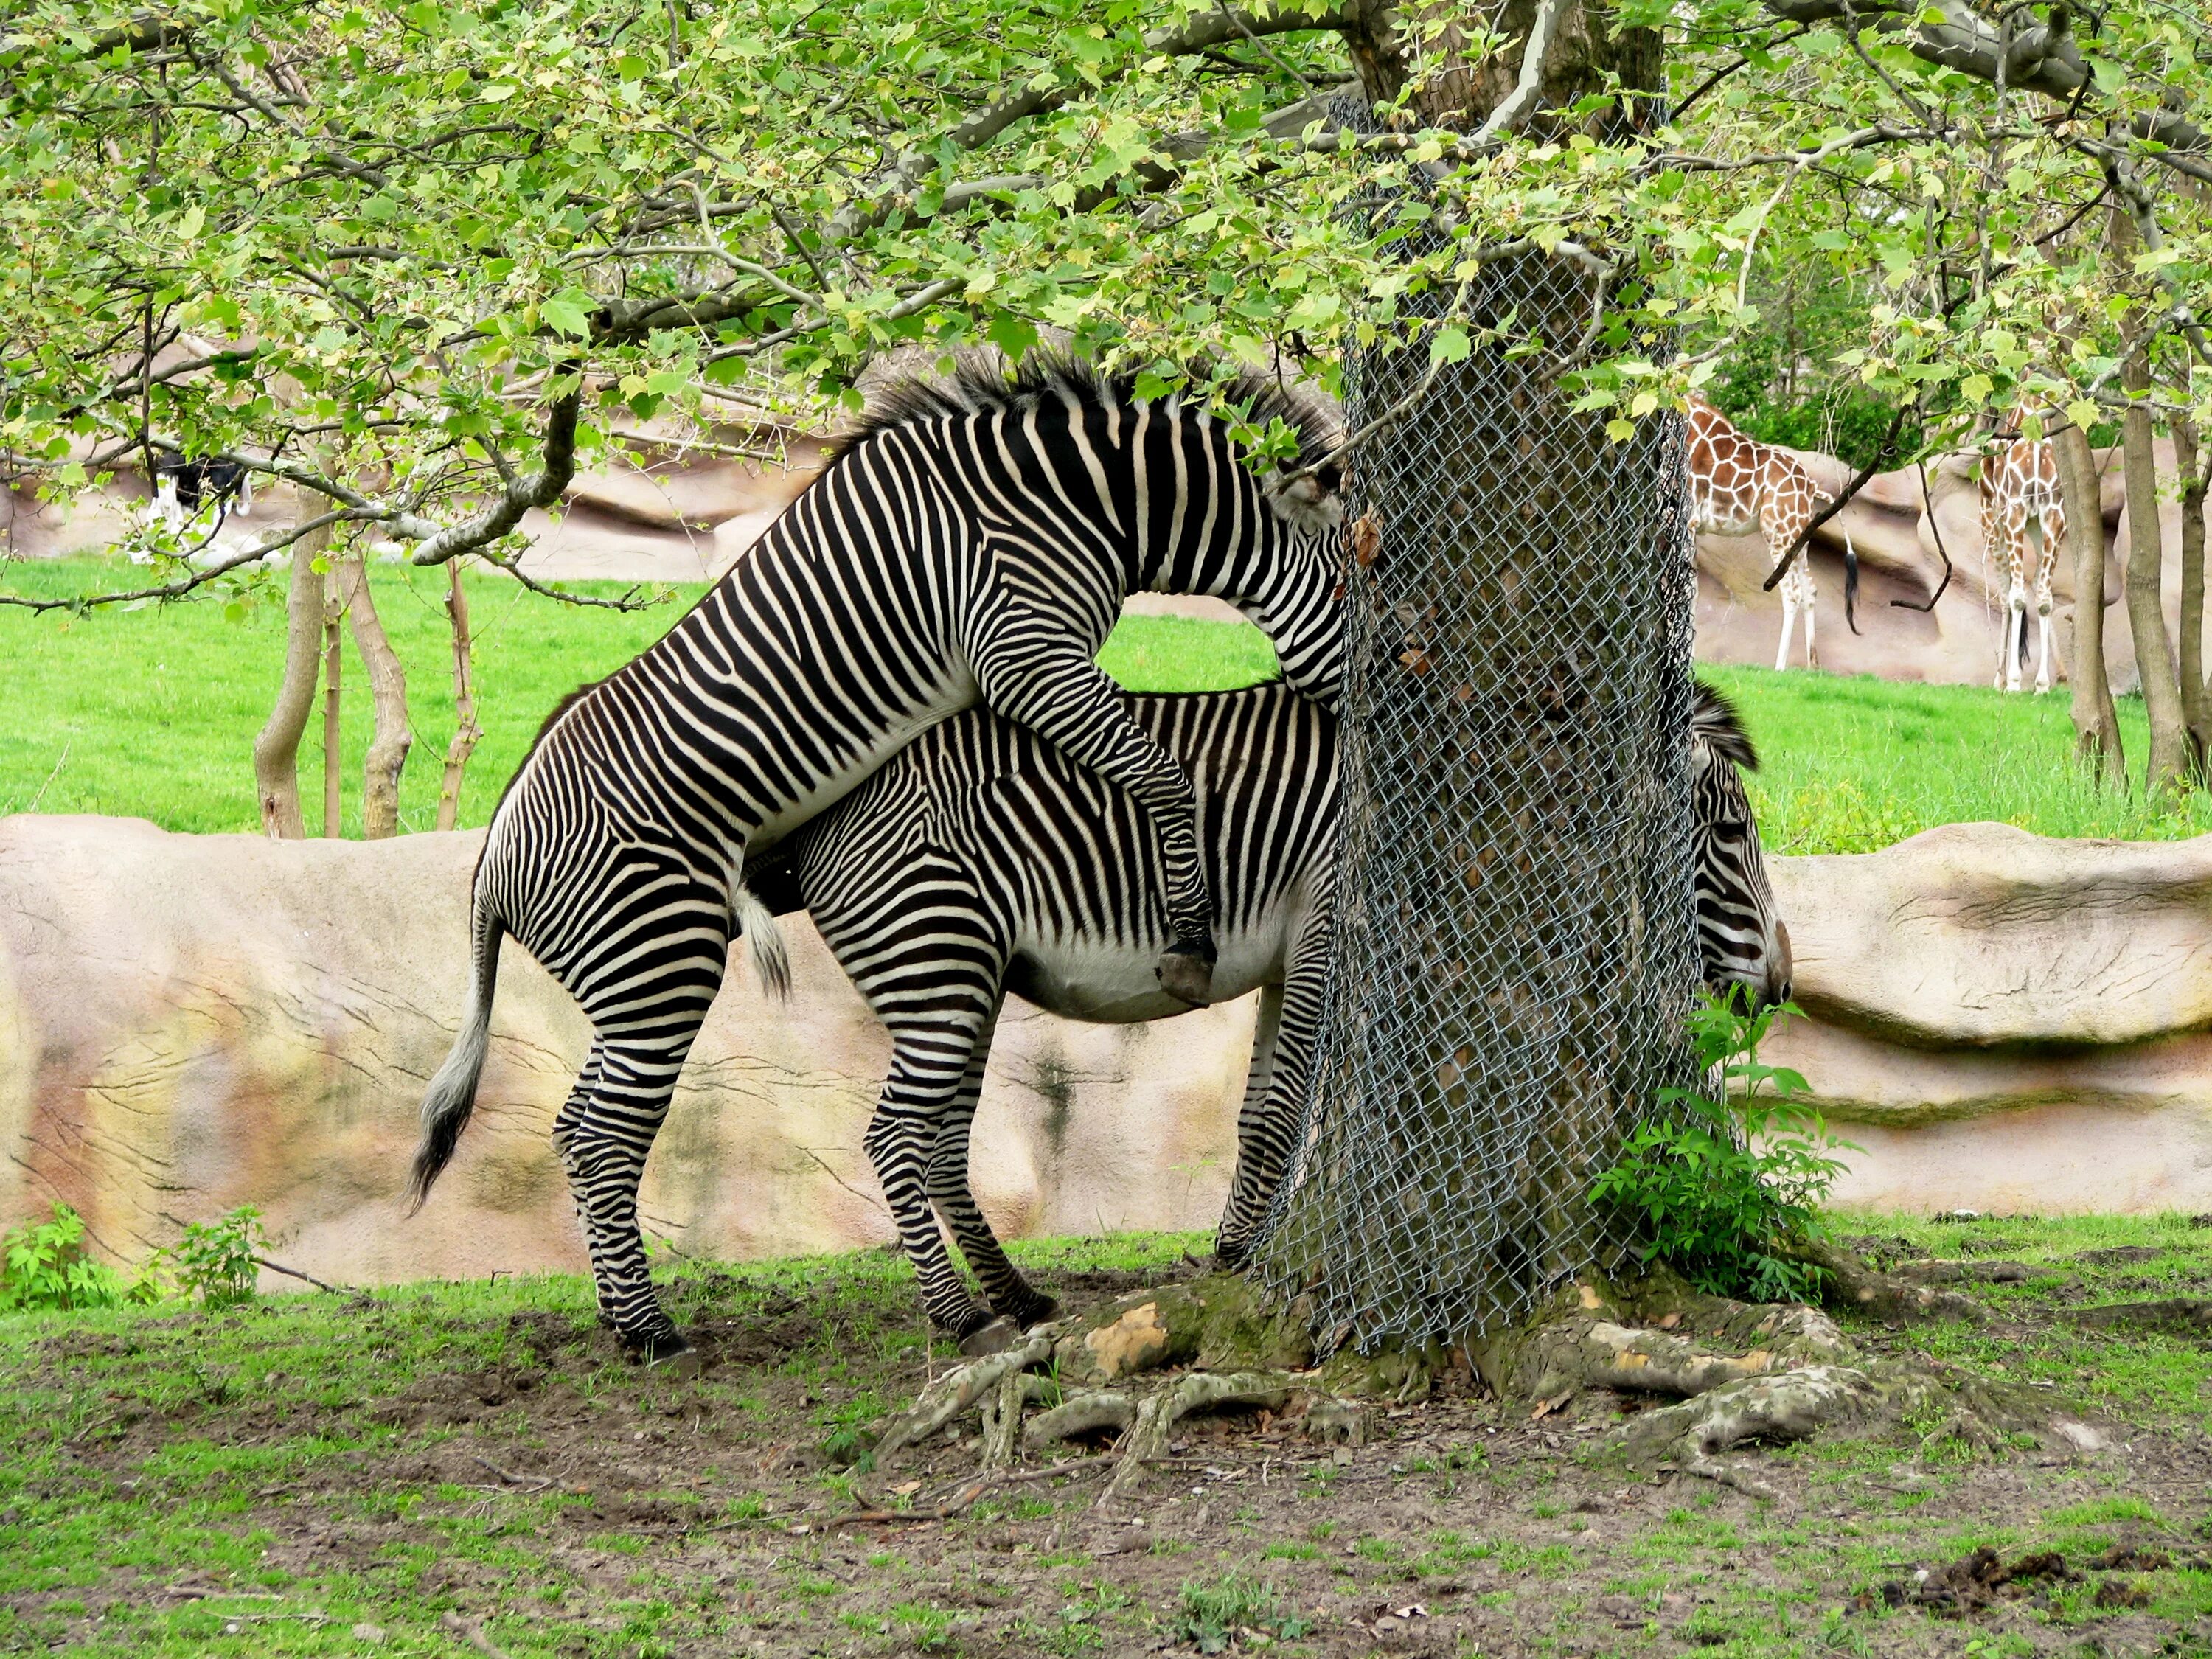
(971, 541)
(981, 860)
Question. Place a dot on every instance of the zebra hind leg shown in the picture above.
(1011, 1297)
(606, 1131)
(927, 1065)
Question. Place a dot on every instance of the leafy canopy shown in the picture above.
(430, 257)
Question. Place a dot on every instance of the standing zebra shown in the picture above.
(972, 541)
(980, 860)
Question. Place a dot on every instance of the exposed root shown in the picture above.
(2189, 1314)
(1147, 1438)
(959, 1391)
(1901, 1297)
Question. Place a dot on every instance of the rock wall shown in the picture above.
(190, 1023)
(187, 1024)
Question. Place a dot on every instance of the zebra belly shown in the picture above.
(1112, 984)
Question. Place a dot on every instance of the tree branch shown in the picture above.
(539, 488)
(2040, 59)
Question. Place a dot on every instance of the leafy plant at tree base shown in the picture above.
(43, 1267)
(1213, 1615)
(1725, 1186)
(217, 1262)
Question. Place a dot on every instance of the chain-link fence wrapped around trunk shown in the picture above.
(1514, 950)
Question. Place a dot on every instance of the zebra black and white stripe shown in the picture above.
(972, 542)
(981, 860)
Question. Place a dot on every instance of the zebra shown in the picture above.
(971, 540)
(981, 860)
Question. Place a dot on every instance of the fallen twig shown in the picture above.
(471, 1632)
(537, 1484)
(293, 1273)
(965, 1497)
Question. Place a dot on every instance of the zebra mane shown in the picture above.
(983, 381)
(1715, 723)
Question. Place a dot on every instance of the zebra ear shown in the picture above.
(1308, 501)
(1716, 725)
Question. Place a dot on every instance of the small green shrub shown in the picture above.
(1211, 1615)
(1724, 1187)
(44, 1267)
(217, 1262)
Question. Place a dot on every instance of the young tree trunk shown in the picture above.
(2196, 703)
(387, 683)
(466, 729)
(333, 609)
(2096, 723)
(2167, 771)
(277, 749)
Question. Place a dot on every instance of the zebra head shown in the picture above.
(1741, 940)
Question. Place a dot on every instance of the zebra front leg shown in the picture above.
(1232, 1240)
(928, 1062)
(1011, 1297)
(1034, 673)
(1267, 1127)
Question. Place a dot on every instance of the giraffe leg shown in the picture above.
(2042, 544)
(1806, 597)
(1789, 627)
(2015, 633)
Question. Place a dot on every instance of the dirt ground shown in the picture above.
(476, 1470)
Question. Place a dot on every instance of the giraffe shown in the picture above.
(2023, 521)
(1738, 484)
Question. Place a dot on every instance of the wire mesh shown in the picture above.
(1515, 948)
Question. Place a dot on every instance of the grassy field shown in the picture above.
(1853, 764)
(152, 712)
(470, 1468)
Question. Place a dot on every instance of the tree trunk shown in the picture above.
(1515, 948)
(466, 729)
(2195, 704)
(2096, 723)
(333, 609)
(387, 683)
(2167, 771)
(277, 749)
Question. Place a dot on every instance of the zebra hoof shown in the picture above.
(683, 1363)
(996, 1337)
(1040, 1309)
(1187, 976)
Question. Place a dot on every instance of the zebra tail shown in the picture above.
(1850, 583)
(452, 1093)
(764, 938)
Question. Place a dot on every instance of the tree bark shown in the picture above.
(2195, 704)
(466, 729)
(276, 748)
(2096, 723)
(2168, 770)
(1511, 978)
(387, 683)
(333, 608)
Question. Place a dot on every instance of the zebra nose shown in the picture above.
(1779, 965)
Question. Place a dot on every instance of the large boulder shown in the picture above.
(2008, 1023)
(190, 1023)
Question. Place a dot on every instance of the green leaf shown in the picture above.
(1449, 344)
(568, 313)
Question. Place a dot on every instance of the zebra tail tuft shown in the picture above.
(771, 953)
(1850, 583)
(452, 1096)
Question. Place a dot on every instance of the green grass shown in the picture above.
(476, 1451)
(151, 713)
(1853, 764)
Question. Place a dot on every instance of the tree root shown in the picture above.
(1214, 1322)
(1738, 1374)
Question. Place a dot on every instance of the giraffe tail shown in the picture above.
(1850, 583)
